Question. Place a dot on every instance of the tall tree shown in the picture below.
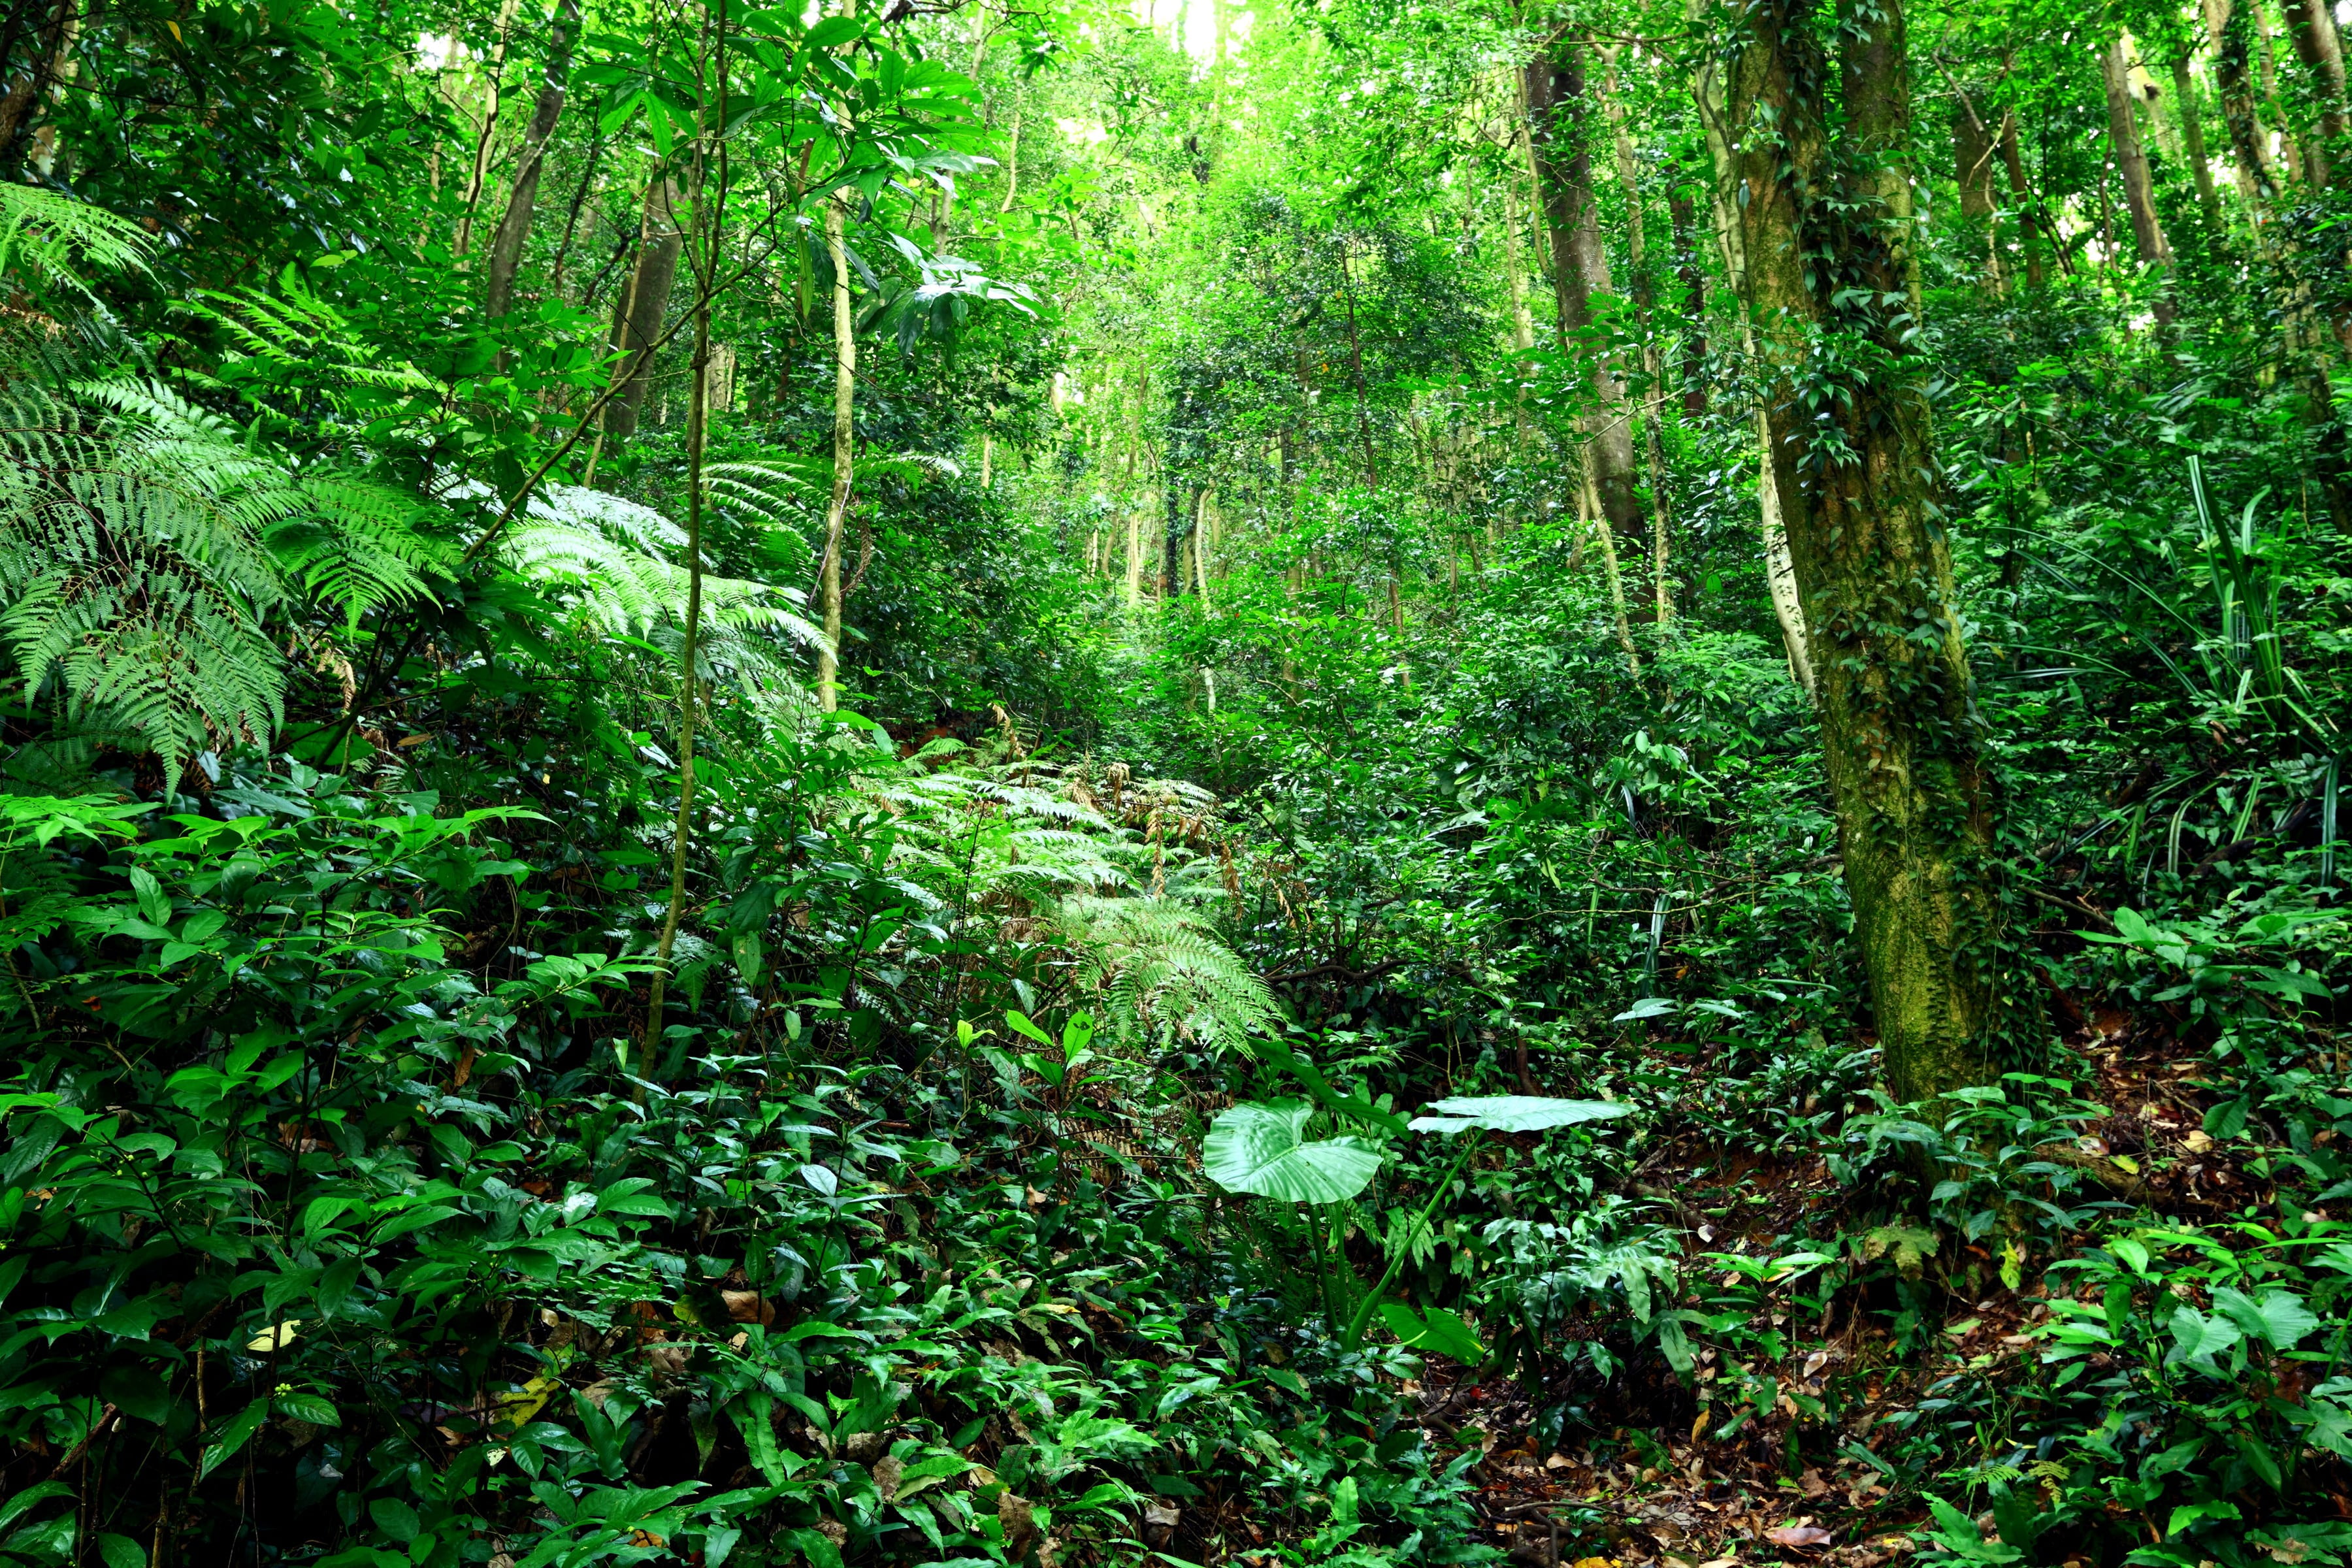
(522, 196)
(2313, 22)
(2131, 160)
(1779, 574)
(1820, 117)
(1562, 131)
(2186, 105)
(645, 304)
(845, 447)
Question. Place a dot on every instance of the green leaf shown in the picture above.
(234, 1434)
(2190, 1513)
(309, 1407)
(1449, 1335)
(122, 1551)
(395, 1519)
(1260, 1148)
(1021, 1026)
(833, 31)
(1513, 1113)
(2279, 1319)
(2197, 1338)
(150, 894)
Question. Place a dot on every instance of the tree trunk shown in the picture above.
(638, 323)
(2191, 115)
(1973, 158)
(2313, 22)
(845, 405)
(1683, 217)
(2020, 191)
(1560, 114)
(34, 40)
(514, 226)
(2234, 42)
(1827, 230)
(2131, 163)
(1780, 575)
(1628, 182)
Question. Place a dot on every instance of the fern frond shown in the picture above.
(48, 238)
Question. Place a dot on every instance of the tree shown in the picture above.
(1819, 114)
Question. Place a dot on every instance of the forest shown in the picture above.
(1190, 784)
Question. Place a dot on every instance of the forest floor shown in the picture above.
(1716, 1492)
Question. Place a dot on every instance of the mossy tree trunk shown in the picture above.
(1818, 110)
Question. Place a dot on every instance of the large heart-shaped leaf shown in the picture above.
(1513, 1113)
(1261, 1149)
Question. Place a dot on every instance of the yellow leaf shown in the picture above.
(175, 30)
(2012, 1263)
(516, 1409)
(275, 1338)
(2129, 1164)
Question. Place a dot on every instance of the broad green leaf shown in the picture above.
(2197, 1338)
(2279, 1319)
(1513, 1113)
(1441, 1331)
(1261, 1149)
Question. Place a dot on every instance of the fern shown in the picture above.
(1156, 957)
(47, 238)
(617, 563)
(152, 542)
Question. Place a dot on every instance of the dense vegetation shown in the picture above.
(1327, 785)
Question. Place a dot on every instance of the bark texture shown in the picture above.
(2020, 191)
(2233, 43)
(1562, 127)
(1714, 116)
(1826, 227)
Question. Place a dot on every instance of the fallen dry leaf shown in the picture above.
(1799, 1535)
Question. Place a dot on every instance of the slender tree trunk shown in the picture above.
(1780, 575)
(522, 196)
(484, 143)
(710, 220)
(2191, 115)
(1615, 579)
(2020, 191)
(1972, 160)
(1515, 272)
(1012, 165)
(34, 42)
(1682, 213)
(845, 405)
(2131, 163)
(1356, 365)
(646, 304)
(1827, 229)
(1629, 183)
(1559, 113)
